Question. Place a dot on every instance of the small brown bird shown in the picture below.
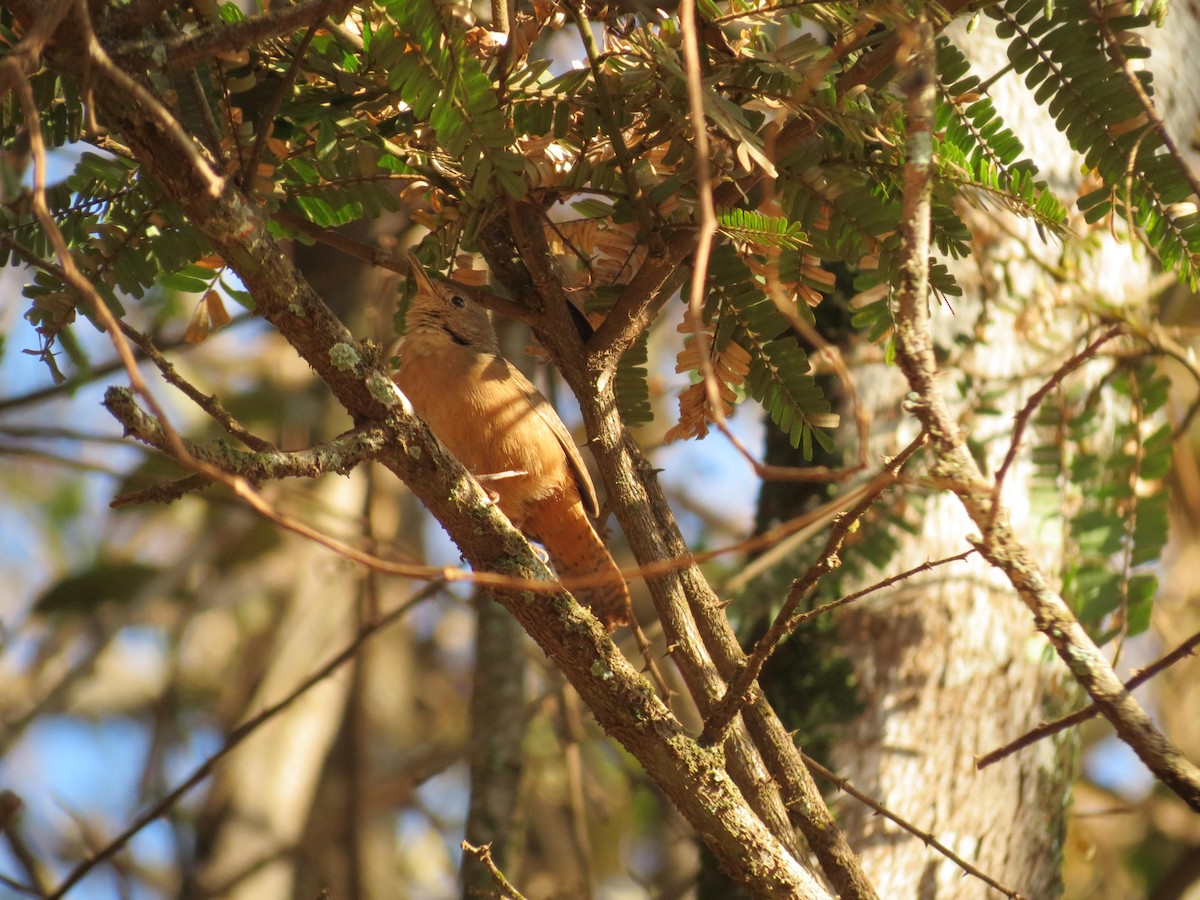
(489, 415)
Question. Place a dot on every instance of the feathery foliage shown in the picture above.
(1101, 472)
(413, 105)
(1076, 58)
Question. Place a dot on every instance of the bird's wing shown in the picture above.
(583, 481)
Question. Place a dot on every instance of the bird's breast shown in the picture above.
(479, 407)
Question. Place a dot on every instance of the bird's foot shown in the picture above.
(500, 476)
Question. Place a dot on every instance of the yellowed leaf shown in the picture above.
(218, 315)
(199, 325)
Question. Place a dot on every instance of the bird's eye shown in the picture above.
(458, 301)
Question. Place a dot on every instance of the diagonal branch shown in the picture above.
(210, 404)
(926, 838)
(1186, 649)
(239, 734)
(738, 693)
(634, 192)
(999, 544)
(189, 49)
(1036, 398)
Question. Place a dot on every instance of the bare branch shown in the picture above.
(637, 197)
(340, 455)
(737, 694)
(484, 855)
(1184, 650)
(708, 215)
(187, 50)
(999, 543)
(266, 119)
(1036, 398)
(926, 838)
(210, 404)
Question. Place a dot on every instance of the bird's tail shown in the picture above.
(576, 550)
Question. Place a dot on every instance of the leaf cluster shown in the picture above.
(1077, 59)
(413, 105)
(1100, 470)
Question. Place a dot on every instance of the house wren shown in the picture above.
(502, 429)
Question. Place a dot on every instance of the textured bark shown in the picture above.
(498, 717)
(950, 667)
(622, 701)
(950, 664)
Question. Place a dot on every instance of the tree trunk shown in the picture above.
(949, 665)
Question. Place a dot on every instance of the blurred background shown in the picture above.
(134, 641)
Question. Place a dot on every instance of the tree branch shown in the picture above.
(187, 50)
(621, 700)
(484, 855)
(926, 838)
(339, 455)
(633, 190)
(695, 624)
(999, 545)
(239, 734)
(738, 692)
(1186, 649)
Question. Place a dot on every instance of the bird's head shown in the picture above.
(441, 306)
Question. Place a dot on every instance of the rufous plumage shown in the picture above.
(507, 434)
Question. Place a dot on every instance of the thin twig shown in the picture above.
(829, 607)
(207, 43)
(1115, 49)
(721, 716)
(646, 649)
(707, 226)
(1035, 399)
(484, 854)
(1187, 648)
(235, 737)
(209, 404)
(266, 118)
(70, 270)
(372, 441)
(104, 66)
(10, 815)
(161, 492)
(705, 234)
(635, 195)
(955, 465)
(926, 838)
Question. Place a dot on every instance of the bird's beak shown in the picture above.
(424, 284)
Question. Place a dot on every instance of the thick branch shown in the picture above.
(695, 624)
(621, 700)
